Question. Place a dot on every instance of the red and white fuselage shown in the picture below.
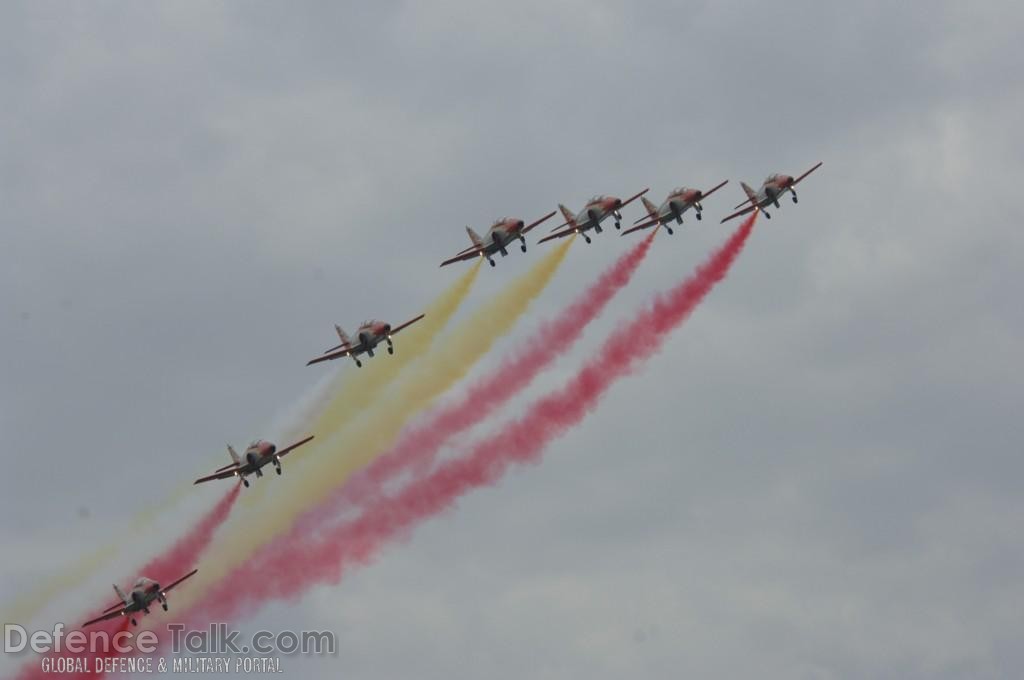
(497, 239)
(503, 232)
(368, 336)
(673, 207)
(596, 211)
(773, 188)
(144, 592)
(257, 455)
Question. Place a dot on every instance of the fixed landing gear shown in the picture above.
(523, 241)
(164, 605)
(794, 196)
(277, 470)
(766, 215)
(245, 482)
(586, 238)
(669, 230)
(134, 622)
(359, 364)
(598, 229)
(618, 225)
(490, 262)
(699, 214)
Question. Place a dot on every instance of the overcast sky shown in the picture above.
(819, 477)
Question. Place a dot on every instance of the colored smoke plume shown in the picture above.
(326, 554)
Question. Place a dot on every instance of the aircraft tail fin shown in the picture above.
(342, 335)
(652, 210)
(570, 219)
(234, 454)
(121, 594)
(475, 237)
(751, 194)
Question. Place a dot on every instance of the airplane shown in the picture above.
(773, 187)
(596, 211)
(677, 203)
(370, 334)
(501, 233)
(144, 592)
(258, 454)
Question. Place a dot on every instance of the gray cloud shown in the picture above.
(816, 478)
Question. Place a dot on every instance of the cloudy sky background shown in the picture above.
(819, 477)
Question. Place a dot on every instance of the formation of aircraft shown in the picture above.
(370, 334)
(672, 208)
(259, 454)
(144, 593)
(596, 211)
(680, 200)
(771, 189)
(498, 237)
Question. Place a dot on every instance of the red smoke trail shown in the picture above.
(323, 557)
(418, 445)
(173, 563)
(183, 555)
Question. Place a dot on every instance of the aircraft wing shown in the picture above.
(633, 198)
(406, 324)
(543, 219)
(470, 254)
(341, 346)
(342, 352)
(740, 205)
(289, 449)
(223, 473)
(650, 214)
(119, 610)
(749, 208)
(186, 576)
(711, 191)
(797, 180)
(560, 234)
(645, 225)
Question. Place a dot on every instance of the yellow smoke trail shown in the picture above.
(363, 385)
(343, 398)
(339, 451)
(24, 608)
(363, 388)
